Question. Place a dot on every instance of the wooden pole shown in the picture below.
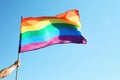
(18, 57)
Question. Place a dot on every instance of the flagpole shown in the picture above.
(18, 57)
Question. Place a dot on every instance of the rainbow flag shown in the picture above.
(39, 32)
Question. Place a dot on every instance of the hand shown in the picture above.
(17, 63)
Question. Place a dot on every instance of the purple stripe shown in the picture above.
(55, 40)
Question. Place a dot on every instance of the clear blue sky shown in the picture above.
(97, 60)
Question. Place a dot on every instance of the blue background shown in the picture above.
(97, 60)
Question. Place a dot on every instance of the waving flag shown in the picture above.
(39, 32)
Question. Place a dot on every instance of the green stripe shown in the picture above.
(47, 29)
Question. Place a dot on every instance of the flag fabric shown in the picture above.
(39, 32)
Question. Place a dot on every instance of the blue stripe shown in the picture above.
(50, 35)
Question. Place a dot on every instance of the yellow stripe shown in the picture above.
(41, 24)
(74, 19)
